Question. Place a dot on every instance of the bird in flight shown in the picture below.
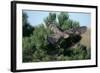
(58, 33)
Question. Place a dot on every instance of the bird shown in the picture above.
(58, 33)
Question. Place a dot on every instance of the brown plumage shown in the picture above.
(58, 33)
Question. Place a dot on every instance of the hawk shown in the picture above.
(58, 33)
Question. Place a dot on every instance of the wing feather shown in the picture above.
(78, 30)
(53, 39)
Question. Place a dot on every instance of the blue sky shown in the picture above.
(37, 17)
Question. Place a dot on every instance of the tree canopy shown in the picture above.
(27, 28)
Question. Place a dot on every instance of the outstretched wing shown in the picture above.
(53, 39)
(76, 31)
(58, 33)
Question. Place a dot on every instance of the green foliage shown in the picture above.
(40, 35)
(62, 17)
(65, 22)
(36, 47)
(50, 19)
(28, 49)
(27, 28)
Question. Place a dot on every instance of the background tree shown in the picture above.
(62, 20)
(26, 42)
(62, 17)
(51, 18)
(65, 22)
(27, 28)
